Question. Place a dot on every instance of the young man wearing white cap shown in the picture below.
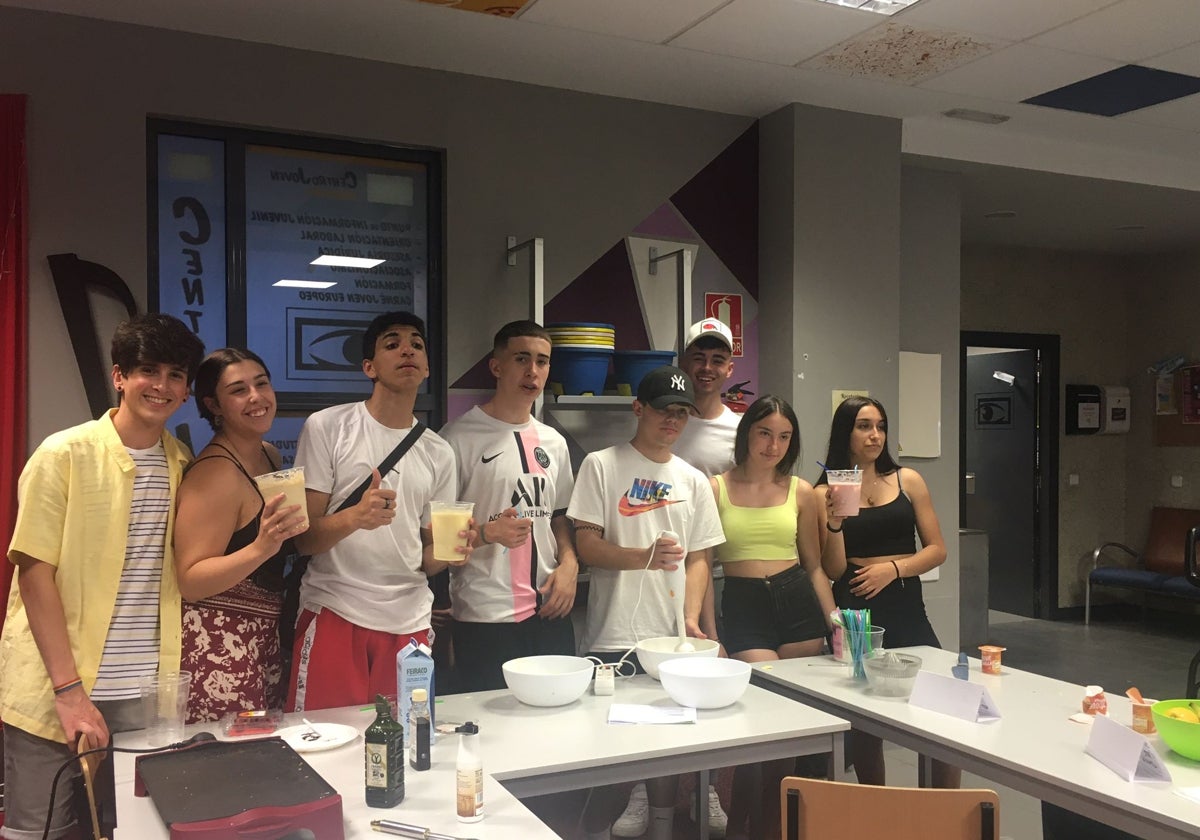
(625, 498)
(707, 442)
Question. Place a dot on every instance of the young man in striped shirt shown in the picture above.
(95, 603)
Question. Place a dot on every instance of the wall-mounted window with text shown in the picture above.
(320, 237)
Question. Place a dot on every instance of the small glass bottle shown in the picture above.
(469, 775)
(419, 727)
(384, 758)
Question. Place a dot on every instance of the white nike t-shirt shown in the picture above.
(501, 465)
(634, 499)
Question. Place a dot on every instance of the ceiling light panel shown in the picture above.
(883, 7)
(346, 262)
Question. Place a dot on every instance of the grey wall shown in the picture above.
(1162, 318)
(930, 233)
(1083, 299)
(578, 170)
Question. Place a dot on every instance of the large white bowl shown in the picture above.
(548, 680)
(654, 652)
(705, 683)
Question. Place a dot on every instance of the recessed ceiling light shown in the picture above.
(305, 284)
(883, 7)
(1000, 214)
(1129, 227)
(346, 262)
(985, 117)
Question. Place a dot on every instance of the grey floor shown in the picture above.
(1153, 655)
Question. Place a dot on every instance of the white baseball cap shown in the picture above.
(711, 327)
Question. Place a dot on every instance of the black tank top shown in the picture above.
(882, 531)
(270, 573)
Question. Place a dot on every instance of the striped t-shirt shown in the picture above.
(131, 648)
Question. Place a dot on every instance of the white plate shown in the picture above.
(302, 738)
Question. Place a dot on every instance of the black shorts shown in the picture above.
(481, 650)
(768, 613)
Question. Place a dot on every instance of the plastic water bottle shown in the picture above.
(468, 775)
(419, 727)
(384, 758)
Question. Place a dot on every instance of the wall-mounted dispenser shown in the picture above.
(1114, 410)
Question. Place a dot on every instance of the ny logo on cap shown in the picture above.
(677, 382)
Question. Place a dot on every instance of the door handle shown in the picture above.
(970, 483)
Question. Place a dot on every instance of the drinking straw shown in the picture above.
(822, 466)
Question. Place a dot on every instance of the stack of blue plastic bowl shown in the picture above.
(630, 366)
(580, 356)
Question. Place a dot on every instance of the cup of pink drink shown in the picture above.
(845, 487)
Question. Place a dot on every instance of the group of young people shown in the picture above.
(132, 561)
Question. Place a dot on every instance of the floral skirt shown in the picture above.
(231, 646)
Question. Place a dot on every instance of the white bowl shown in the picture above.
(654, 652)
(705, 683)
(548, 680)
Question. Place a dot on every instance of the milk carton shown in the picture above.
(414, 669)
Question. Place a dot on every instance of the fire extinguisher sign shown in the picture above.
(728, 309)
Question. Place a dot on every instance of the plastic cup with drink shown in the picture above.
(288, 482)
(845, 488)
(447, 520)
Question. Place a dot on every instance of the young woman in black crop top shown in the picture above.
(873, 557)
(231, 544)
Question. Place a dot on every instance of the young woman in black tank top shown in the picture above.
(230, 544)
(873, 558)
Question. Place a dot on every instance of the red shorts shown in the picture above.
(337, 663)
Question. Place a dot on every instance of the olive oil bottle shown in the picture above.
(384, 758)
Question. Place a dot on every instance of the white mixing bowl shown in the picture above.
(548, 680)
(653, 652)
(705, 683)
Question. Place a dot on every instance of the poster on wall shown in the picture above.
(1190, 402)
(331, 242)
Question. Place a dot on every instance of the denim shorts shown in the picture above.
(770, 612)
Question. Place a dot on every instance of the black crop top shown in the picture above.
(270, 573)
(882, 531)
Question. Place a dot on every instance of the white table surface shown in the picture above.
(1033, 748)
(530, 751)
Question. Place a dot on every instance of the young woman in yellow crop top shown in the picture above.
(777, 599)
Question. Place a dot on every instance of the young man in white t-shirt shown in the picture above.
(707, 442)
(515, 596)
(365, 593)
(625, 497)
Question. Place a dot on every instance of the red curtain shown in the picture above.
(14, 319)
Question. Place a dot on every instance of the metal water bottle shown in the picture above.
(384, 758)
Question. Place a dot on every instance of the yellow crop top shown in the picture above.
(757, 533)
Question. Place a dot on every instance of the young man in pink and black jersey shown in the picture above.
(514, 597)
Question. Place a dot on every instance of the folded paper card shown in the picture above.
(634, 713)
(1127, 753)
(965, 700)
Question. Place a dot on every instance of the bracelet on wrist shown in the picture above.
(833, 530)
(67, 686)
(483, 540)
(899, 577)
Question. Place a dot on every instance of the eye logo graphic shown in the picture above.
(993, 411)
(327, 345)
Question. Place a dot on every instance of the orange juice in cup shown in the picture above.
(447, 519)
(288, 482)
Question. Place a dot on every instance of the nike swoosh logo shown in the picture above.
(488, 460)
(628, 508)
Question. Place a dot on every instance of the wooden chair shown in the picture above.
(813, 809)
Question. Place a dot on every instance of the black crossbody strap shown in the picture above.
(385, 465)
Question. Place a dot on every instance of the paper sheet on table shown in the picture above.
(634, 713)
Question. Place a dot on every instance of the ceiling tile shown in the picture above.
(1130, 31)
(1184, 60)
(638, 20)
(776, 31)
(1013, 20)
(1179, 113)
(903, 53)
(1019, 72)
